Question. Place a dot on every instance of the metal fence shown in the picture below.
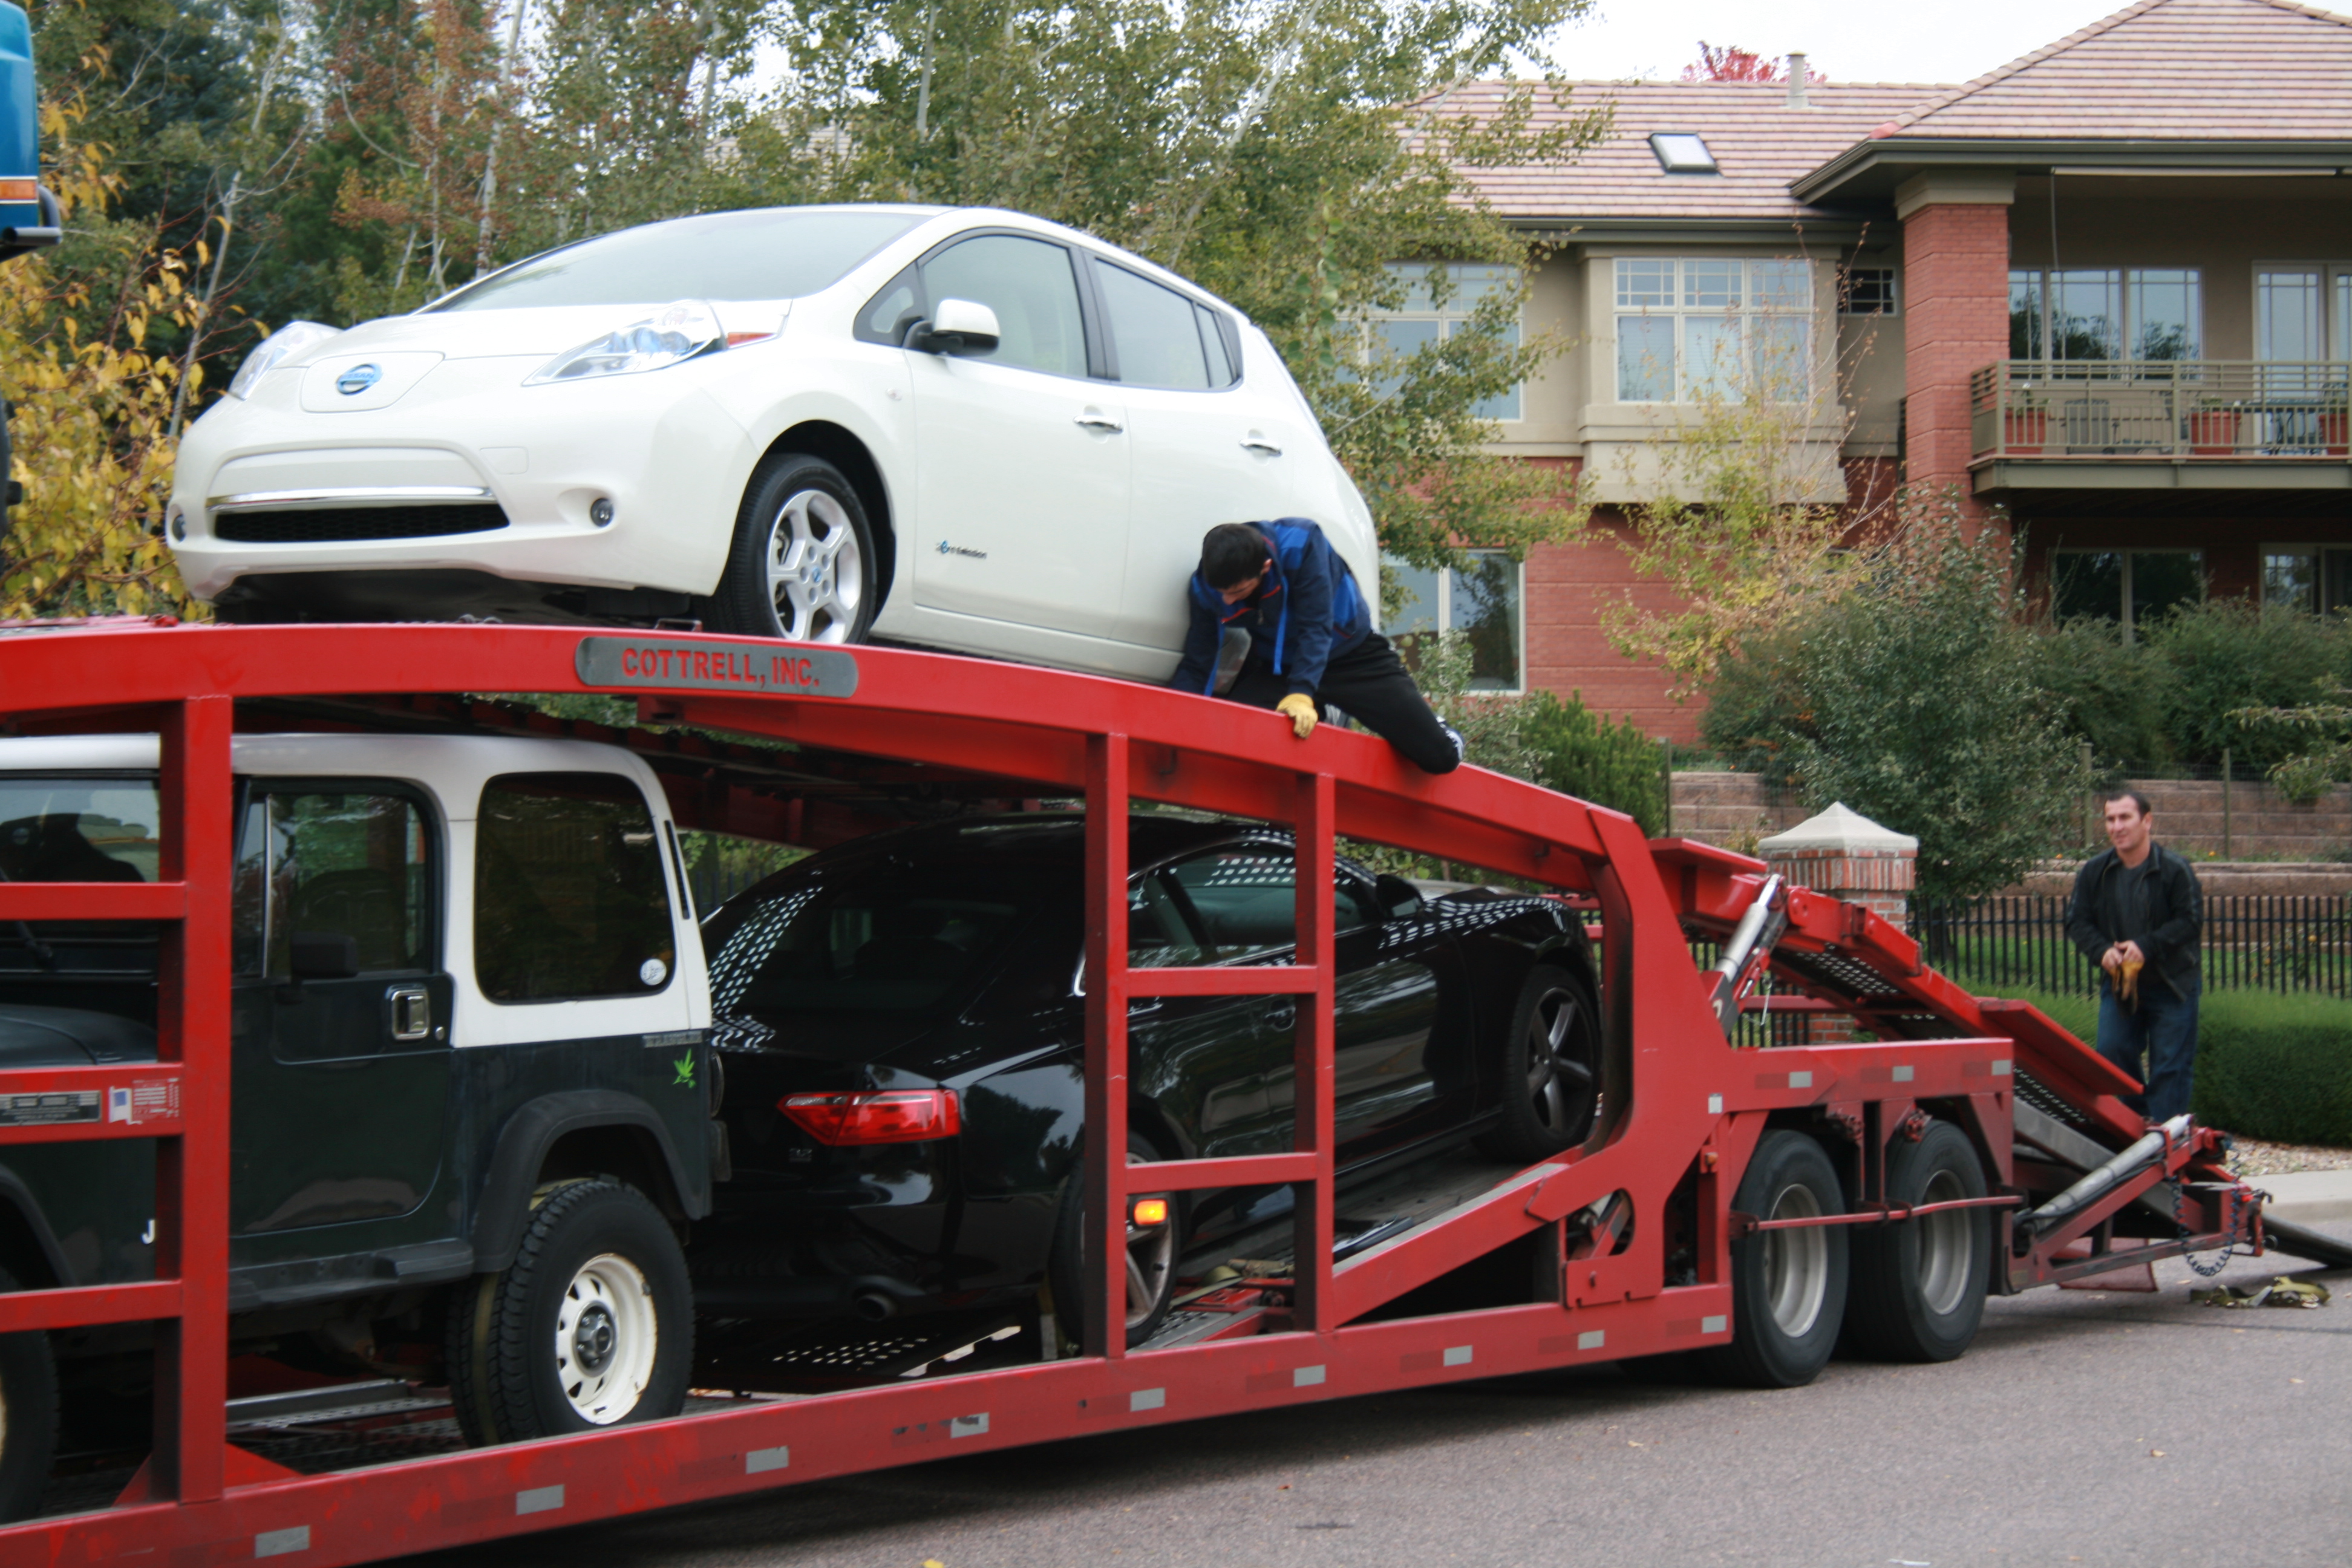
(2251, 943)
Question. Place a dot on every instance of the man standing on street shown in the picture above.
(1305, 640)
(2138, 912)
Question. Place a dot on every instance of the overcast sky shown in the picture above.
(1847, 40)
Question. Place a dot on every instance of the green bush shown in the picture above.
(2278, 1068)
(2117, 695)
(1610, 764)
(1756, 706)
(2227, 654)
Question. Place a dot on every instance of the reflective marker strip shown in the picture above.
(1714, 1325)
(2000, 1067)
(1457, 1355)
(1715, 1105)
(759, 1461)
(1147, 1399)
(1591, 1339)
(1305, 1376)
(1902, 1075)
(1800, 1080)
(539, 1500)
(968, 1426)
(279, 1542)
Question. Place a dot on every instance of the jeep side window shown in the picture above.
(350, 863)
(569, 898)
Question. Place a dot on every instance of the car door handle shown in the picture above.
(1256, 443)
(1282, 1012)
(1095, 419)
(411, 1012)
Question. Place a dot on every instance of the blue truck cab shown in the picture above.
(28, 213)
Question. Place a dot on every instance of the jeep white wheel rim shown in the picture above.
(816, 574)
(605, 1336)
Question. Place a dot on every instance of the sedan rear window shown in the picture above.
(775, 254)
(900, 940)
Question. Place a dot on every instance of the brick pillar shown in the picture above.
(1955, 299)
(1848, 857)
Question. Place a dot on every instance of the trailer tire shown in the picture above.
(1151, 1258)
(1550, 1068)
(591, 1326)
(1918, 1287)
(802, 563)
(1788, 1287)
(28, 1417)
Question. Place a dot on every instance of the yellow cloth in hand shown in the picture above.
(1299, 708)
(2128, 982)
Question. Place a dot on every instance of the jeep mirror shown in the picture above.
(323, 955)
(957, 327)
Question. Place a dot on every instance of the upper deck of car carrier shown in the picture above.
(1631, 1244)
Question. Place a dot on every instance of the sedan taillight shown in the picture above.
(876, 1116)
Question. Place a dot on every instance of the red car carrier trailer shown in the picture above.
(1716, 1210)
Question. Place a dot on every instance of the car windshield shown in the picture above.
(892, 940)
(777, 254)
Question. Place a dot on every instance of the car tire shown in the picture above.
(28, 1417)
(1788, 1287)
(1152, 1253)
(591, 1326)
(1550, 1064)
(1918, 1287)
(802, 564)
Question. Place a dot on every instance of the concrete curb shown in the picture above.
(2307, 1198)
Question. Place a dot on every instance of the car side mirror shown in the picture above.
(321, 955)
(1400, 897)
(956, 327)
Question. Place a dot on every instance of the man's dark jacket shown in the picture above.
(2171, 914)
(1307, 613)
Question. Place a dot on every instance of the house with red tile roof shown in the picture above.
(2108, 287)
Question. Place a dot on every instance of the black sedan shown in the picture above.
(902, 1030)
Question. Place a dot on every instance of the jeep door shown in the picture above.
(340, 1082)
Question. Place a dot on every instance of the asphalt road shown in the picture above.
(2084, 1427)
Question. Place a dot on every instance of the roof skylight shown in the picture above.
(1683, 153)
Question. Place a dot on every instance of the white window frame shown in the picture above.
(1469, 280)
(2127, 281)
(2334, 303)
(1686, 299)
(1444, 616)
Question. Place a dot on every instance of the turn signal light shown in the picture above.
(20, 190)
(1152, 1210)
(877, 1116)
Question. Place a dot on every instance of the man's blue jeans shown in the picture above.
(2163, 1030)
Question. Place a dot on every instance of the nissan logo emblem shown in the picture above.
(358, 379)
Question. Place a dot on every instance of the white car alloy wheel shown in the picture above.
(606, 1334)
(816, 573)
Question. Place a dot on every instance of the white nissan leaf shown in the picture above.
(960, 428)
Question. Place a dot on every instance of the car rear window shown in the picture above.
(778, 254)
(78, 829)
(569, 897)
(894, 939)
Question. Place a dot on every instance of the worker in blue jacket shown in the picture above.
(1308, 640)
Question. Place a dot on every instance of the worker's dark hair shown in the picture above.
(1232, 553)
(2109, 796)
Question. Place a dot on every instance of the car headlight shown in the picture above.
(277, 348)
(670, 336)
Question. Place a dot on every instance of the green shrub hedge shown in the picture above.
(2270, 1067)
(1609, 762)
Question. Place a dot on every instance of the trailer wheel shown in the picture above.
(592, 1324)
(1788, 1287)
(1152, 1254)
(28, 1417)
(802, 564)
(1918, 1291)
(1550, 1068)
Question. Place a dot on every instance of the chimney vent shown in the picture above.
(1797, 82)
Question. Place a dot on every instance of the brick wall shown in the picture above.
(1956, 283)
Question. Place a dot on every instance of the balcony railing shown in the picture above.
(2161, 410)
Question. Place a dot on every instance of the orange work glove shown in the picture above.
(1299, 708)
(2128, 982)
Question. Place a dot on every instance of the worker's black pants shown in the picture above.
(1371, 685)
